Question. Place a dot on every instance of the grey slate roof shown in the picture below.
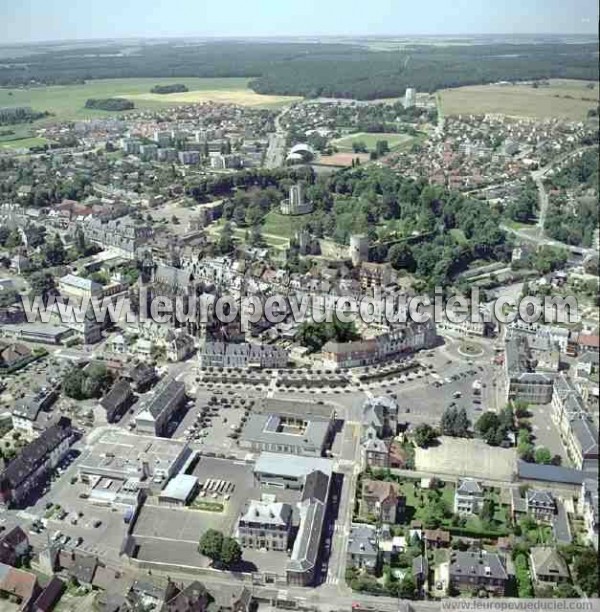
(316, 486)
(308, 540)
(540, 499)
(546, 561)
(34, 454)
(549, 473)
(274, 514)
(363, 540)
(163, 396)
(480, 564)
(468, 486)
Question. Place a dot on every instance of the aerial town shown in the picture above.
(297, 460)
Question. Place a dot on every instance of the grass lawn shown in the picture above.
(67, 102)
(284, 226)
(23, 142)
(274, 240)
(207, 506)
(564, 98)
(394, 140)
(517, 225)
(413, 498)
(459, 236)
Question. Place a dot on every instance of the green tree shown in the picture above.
(486, 513)
(80, 244)
(54, 252)
(408, 587)
(225, 244)
(97, 381)
(542, 455)
(42, 285)
(566, 591)
(211, 545)
(424, 435)
(455, 422)
(585, 566)
(231, 552)
(4, 234)
(359, 146)
(400, 256)
(72, 384)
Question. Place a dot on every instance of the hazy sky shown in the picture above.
(38, 20)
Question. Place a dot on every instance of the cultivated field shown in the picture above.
(243, 97)
(394, 140)
(67, 102)
(565, 99)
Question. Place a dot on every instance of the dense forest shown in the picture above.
(20, 114)
(109, 104)
(311, 70)
(574, 219)
(168, 89)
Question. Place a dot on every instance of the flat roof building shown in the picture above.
(289, 427)
(288, 471)
(124, 456)
(179, 490)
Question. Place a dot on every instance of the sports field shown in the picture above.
(394, 140)
(563, 99)
(68, 102)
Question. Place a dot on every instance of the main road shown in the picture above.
(276, 149)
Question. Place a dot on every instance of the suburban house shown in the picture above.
(362, 552)
(376, 452)
(381, 414)
(468, 571)
(468, 498)
(547, 566)
(382, 500)
(437, 538)
(192, 598)
(231, 598)
(540, 505)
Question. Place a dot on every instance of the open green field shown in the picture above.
(67, 102)
(284, 226)
(274, 240)
(394, 140)
(563, 99)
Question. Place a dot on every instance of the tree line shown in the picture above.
(314, 69)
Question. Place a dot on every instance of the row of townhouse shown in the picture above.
(27, 472)
(406, 339)
(577, 430)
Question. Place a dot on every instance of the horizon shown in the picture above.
(33, 22)
(590, 37)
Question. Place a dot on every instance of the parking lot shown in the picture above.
(171, 534)
(64, 515)
(214, 422)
